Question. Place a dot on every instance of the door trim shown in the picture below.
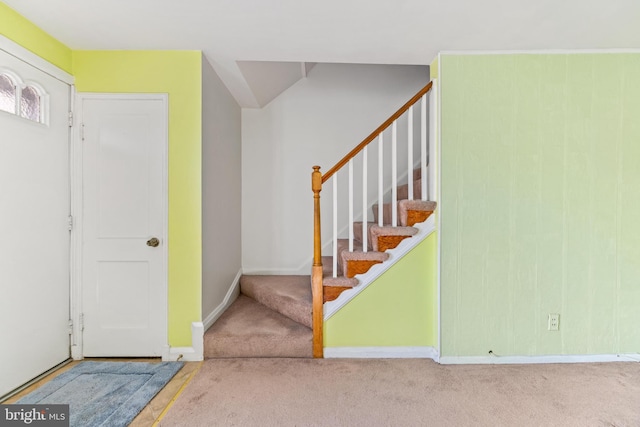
(14, 49)
(77, 212)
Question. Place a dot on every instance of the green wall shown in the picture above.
(15, 27)
(178, 73)
(539, 207)
(397, 309)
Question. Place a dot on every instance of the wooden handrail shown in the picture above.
(376, 132)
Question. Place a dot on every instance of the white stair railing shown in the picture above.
(350, 205)
(410, 153)
(394, 174)
(387, 183)
(392, 186)
(380, 179)
(365, 207)
(423, 146)
(335, 226)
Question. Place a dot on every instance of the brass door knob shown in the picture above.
(153, 242)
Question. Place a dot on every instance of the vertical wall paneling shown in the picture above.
(539, 188)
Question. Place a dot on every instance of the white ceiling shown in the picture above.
(351, 31)
(268, 79)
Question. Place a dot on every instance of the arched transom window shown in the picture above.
(23, 99)
(7, 94)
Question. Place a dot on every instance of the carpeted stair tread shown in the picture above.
(334, 286)
(403, 190)
(364, 256)
(386, 213)
(414, 205)
(288, 295)
(250, 329)
(417, 174)
(340, 281)
(327, 267)
(375, 231)
(387, 230)
(357, 233)
(358, 254)
(359, 262)
(419, 204)
(403, 206)
(343, 246)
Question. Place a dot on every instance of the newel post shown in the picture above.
(316, 186)
(316, 270)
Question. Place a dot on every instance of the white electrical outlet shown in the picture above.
(554, 321)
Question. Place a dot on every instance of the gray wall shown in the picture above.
(315, 122)
(221, 190)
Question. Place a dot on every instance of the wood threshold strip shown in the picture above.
(376, 132)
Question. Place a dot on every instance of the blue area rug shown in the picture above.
(105, 393)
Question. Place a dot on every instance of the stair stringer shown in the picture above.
(425, 229)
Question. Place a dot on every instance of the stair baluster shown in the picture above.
(365, 207)
(410, 152)
(335, 226)
(423, 146)
(380, 179)
(350, 207)
(394, 174)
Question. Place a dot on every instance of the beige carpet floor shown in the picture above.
(406, 392)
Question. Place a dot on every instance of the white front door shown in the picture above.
(124, 292)
(34, 230)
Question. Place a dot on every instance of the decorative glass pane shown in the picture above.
(30, 104)
(7, 94)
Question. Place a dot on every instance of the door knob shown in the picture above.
(153, 242)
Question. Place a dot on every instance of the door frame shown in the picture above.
(32, 59)
(77, 247)
(25, 55)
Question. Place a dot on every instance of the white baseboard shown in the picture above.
(195, 353)
(520, 360)
(226, 302)
(76, 352)
(381, 353)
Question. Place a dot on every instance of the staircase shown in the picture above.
(272, 317)
(282, 316)
(380, 238)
